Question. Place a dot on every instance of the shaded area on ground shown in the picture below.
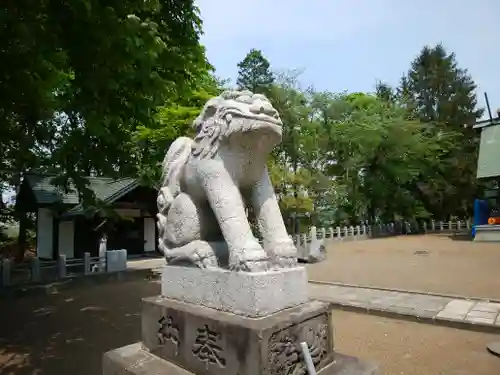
(68, 332)
(431, 263)
(410, 348)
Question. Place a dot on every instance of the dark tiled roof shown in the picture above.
(105, 188)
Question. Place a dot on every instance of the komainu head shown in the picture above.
(234, 113)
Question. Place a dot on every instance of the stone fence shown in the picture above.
(42, 271)
(358, 232)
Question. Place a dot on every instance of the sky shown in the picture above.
(351, 44)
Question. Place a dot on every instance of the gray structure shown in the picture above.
(488, 168)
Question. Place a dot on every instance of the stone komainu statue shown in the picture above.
(207, 183)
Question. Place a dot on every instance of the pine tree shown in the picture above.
(438, 90)
(254, 72)
(440, 93)
(384, 92)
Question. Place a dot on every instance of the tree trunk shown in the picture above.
(21, 238)
(22, 218)
(21, 165)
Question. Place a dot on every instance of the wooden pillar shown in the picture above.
(44, 233)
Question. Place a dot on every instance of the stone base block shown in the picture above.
(487, 233)
(252, 294)
(134, 360)
(209, 342)
(312, 252)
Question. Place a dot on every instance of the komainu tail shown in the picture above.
(175, 159)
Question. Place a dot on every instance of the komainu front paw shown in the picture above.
(195, 254)
(283, 253)
(250, 258)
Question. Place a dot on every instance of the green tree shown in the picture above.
(79, 77)
(254, 72)
(442, 95)
(438, 90)
(372, 155)
(290, 163)
(172, 120)
(385, 92)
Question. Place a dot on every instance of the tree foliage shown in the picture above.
(172, 120)
(442, 95)
(104, 89)
(79, 77)
(380, 154)
(400, 152)
(254, 72)
(438, 91)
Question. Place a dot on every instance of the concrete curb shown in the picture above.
(451, 296)
(430, 319)
(20, 291)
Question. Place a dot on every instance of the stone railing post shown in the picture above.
(6, 272)
(111, 260)
(312, 233)
(441, 226)
(323, 233)
(433, 225)
(339, 233)
(35, 270)
(102, 261)
(61, 266)
(304, 239)
(121, 260)
(346, 231)
(425, 227)
(459, 225)
(467, 223)
(86, 263)
(331, 234)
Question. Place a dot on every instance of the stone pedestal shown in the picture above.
(180, 337)
(254, 294)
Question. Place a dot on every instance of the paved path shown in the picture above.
(467, 313)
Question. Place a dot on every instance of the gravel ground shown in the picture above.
(430, 263)
(67, 333)
(410, 348)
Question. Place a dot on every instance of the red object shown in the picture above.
(494, 221)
